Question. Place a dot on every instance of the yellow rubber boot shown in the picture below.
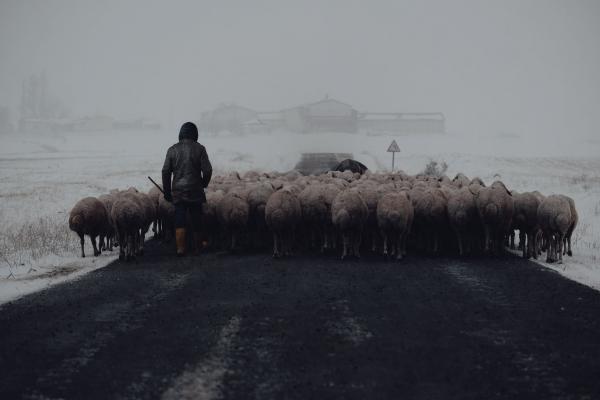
(180, 241)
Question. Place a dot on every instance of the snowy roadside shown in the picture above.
(46, 272)
(42, 176)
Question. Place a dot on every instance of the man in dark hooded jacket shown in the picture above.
(188, 163)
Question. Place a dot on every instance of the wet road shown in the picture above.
(247, 326)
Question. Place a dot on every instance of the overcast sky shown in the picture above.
(522, 67)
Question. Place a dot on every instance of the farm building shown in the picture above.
(327, 115)
(402, 123)
(226, 117)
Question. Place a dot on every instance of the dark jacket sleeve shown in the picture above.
(206, 168)
(167, 170)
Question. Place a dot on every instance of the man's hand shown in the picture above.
(168, 197)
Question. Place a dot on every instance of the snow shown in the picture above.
(42, 176)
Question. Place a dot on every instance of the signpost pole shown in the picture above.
(394, 148)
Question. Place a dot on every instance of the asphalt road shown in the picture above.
(310, 327)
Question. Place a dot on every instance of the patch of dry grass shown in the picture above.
(50, 235)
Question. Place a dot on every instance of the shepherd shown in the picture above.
(187, 162)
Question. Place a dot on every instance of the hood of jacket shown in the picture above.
(188, 131)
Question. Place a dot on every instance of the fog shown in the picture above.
(527, 68)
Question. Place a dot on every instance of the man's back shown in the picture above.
(188, 163)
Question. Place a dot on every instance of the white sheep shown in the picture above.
(282, 214)
(349, 213)
(395, 215)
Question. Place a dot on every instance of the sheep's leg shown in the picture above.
(398, 245)
(527, 245)
(142, 240)
(93, 240)
(385, 243)
(82, 241)
(135, 240)
(130, 245)
(345, 240)
(460, 243)
(549, 248)
(325, 240)
(569, 252)
(102, 244)
(275, 245)
(512, 239)
(561, 245)
(121, 240)
(357, 239)
(486, 245)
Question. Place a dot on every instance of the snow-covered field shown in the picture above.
(42, 176)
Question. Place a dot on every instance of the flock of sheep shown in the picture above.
(386, 213)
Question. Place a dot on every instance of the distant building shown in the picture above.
(231, 118)
(137, 124)
(42, 125)
(327, 115)
(403, 123)
(91, 124)
(330, 115)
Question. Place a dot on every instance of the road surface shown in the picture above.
(246, 326)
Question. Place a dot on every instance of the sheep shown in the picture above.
(349, 213)
(495, 206)
(127, 216)
(154, 194)
(257, 200)
(210, 219)
(315, 202)
(461, 180)
(282, 213)
(89, 217)
(166, 218)
(463, 218)
(371, 197)
(313, 209)
(572, 226)
(430, 215)
(477, 181)
(106, 243)
(233, 212)
(525, 220)
(148, 214)
(251, 176)
(395, 214)
(555, 219)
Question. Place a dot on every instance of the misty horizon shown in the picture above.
(518, 68)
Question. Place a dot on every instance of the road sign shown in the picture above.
(394, 148)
